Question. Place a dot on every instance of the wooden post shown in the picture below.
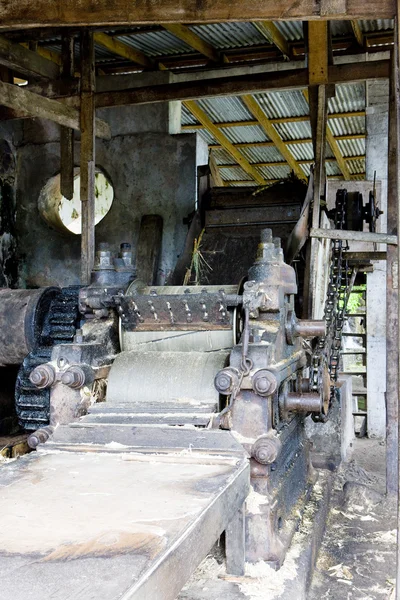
(67, 134)
(87, 162)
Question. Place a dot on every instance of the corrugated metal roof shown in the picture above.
(294, 131)
(256, 154)
(238, 135)
(283, 104)
(356, 166)
(347, 126)
(226, 109)
(186, 116)
(378, 25)
(235, 173)
(348, 97)
(278, 172)
(156, 43)
(291, 30)
(302, 151)
(354, 147)
(229, 35)
(222, 157)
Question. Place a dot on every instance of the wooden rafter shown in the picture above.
(358, 32)
(273, 135)
(201, 116)
(117, 47)
(193, 40)
(269, 30)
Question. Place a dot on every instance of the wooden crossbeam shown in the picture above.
(25, 61)
(201, 116)
(86, 13)
(355, 136)
(193, 40)
(284, 163)
(34, 105)
(276, 120)
(273, 135)
(269, 30)
(318, 52)
(117, 47)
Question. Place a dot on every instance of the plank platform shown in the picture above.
(107, 513)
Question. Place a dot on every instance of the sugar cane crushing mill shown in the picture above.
(205, 374)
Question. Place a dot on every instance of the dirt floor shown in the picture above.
(357, 558)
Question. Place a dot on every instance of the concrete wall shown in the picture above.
(152, 172)
(8, 261)
(377, 160)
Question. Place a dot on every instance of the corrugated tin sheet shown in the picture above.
(347, 126)
(294, 131)
(229, 35)
(291, 30)
(378, 25)
(235, 173)
(352, 147)
(332, 168)
(226, 109)
(237, 135)
(339, 28)
(222, 157)
(283, 104)
(245, 184)
(348, 97)
(356, 166)
(186, 117)
(302, 151)
(278, 172)
(156, 43)
(256, 154)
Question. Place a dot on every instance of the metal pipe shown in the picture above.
(310, 328)
(303, 403)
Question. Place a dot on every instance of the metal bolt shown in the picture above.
(265, 450)
(264, 383)
(73, 377)
(42, 376)
(226, 380)
(40, 436)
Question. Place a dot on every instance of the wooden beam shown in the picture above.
(236, 86)
(354, 236)
(25, 61)
(284, 163)
(273, 135)
(34, 105)
(355, 136)
(66, 133)
(117, 47)
(318, 52)
(270, 31)
(277, 120)
(193, 40)
(201, 116)
(87, 156)
(358, 34)
(42, 13)
(214, 168)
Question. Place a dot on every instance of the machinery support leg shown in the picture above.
(235, 544)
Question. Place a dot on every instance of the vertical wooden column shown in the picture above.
(392, 265)
(67, 134)
(318, 103)
(87, 160)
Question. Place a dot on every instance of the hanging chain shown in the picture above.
(341, 281)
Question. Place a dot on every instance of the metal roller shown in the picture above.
(178, 377)
(178, 341)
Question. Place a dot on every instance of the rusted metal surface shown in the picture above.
(22, 315)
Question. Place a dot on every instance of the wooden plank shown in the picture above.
(355, 236)
(25, 61)
(149, 248)
(252, 216)
(87, 156)
(300, 162)
(193, 40)
(269, 30)
(33, 105)
(235, 546)
(318, 52)
(201, 116)
(273, 135)
(215, 174)
(238, 85)
(118, 47)
(66, 133)
(42, 13)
